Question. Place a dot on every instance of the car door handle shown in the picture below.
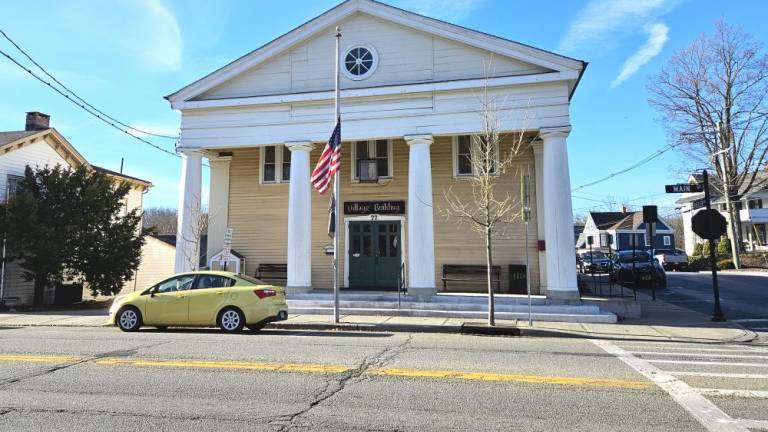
(219, 292)
(183, 296)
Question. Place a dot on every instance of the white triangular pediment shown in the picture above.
(410, 49)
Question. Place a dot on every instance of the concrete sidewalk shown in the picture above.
(661, 321)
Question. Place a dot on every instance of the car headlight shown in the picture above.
(116, 304)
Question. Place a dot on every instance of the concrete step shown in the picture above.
(447, 307)
(601, 317)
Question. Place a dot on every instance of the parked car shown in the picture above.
(202, 298)
(636, 267)
(594, 261)
(675, 259)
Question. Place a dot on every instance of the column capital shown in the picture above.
(189, 151)
(538, 146)
(555, 132)
(300, 146)
(427, 139)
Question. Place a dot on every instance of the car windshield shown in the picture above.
(252, 280)
(595, 255)
(637, 256)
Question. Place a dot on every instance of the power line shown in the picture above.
(81, 105)
(642, 161)
(75, 95)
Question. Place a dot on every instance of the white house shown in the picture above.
(410, 89)
(40, 145)
(752, 208)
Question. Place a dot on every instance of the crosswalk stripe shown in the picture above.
(708, 414)
(718, 375)
(659, 353)
(735, 349)
(754, 424)
(733, 392)
(708, 363)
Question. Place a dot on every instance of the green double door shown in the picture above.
(375, 249)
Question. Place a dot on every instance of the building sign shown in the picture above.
(684, 188)
(227, 249)
(374, 207)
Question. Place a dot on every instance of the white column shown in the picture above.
(299, 219)
(538, 157)
(218, 204)
(558, 213)
(187, 252)
(421, 237)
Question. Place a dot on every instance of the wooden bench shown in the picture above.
(471, 273)
(272, 271)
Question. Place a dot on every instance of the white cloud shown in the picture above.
(144, 29)
(604, 21)
(161, 43)
(658, 35)
(446, 10)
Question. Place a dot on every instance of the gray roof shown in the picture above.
(11, 136)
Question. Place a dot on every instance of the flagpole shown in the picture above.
(336, 192)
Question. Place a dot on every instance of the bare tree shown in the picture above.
(712, 97)
(487, 210)
(161, 220)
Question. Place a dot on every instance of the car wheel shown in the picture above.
(129, 319)
(231, 320)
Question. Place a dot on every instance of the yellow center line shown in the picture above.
(34, 358)
(501, 377)
(327, 368)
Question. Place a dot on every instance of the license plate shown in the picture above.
(646, 277)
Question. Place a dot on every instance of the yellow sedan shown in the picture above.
(203, 298)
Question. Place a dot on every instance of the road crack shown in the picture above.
(335, 383)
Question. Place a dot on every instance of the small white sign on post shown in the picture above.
(227, 249)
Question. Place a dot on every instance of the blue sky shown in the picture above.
(123, 56)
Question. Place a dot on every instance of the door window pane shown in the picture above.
(212, 281)
(180, 283)
(367, 245)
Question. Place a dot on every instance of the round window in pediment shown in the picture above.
(359, 62)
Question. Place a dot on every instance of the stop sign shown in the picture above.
(709, 224)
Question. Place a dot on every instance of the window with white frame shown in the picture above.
(462, 157)
(372, 159)
(275, 164)
(667, 240)
(13, 185)
(606, 239)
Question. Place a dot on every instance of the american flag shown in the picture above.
(329, 161)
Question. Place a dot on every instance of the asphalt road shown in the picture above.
(102, 379)
(743, 298)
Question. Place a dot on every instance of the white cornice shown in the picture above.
(377, 91)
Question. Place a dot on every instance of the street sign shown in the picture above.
(227, 249)
(684, 188)
(709, 224)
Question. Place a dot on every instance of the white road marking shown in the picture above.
(707, 413)
(709, 363)
(754, 424)
(718, 375)
(731, 392)
(667, 348)
(659, 353)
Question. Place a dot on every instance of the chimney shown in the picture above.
(37, 121)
